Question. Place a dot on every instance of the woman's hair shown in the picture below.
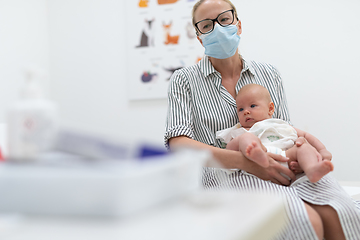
(198, 3)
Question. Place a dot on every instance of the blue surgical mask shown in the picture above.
(222, 42)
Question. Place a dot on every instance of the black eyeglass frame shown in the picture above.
(213, 22)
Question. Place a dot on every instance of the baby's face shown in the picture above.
(251, 108)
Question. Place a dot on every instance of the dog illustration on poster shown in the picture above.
(170, 39)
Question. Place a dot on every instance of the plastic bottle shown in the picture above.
(31, 122)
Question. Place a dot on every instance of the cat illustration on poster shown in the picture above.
(147, 36)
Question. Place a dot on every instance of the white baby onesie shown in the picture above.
(275, 134)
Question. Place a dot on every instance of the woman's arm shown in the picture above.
(316, 143)
(235, 159)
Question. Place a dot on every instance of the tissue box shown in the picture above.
(98, 188)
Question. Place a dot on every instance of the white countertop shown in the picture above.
(202, 215)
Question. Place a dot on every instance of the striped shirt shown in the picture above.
(199, 105)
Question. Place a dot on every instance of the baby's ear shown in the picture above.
(271, 108)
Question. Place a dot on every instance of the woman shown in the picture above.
(202, 101)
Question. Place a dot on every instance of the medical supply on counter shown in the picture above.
(93, 146)
(31, 121)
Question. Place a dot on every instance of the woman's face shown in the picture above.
(210, 9)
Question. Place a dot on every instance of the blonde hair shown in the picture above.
(198, 3)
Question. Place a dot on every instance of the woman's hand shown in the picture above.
(275, 172)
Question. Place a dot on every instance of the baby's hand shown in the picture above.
(294, 166)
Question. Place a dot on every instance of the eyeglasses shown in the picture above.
(207, 25)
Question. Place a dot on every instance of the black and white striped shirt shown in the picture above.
(199, 105)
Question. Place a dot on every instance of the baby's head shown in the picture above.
(253, 105)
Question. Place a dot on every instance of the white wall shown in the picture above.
(23, 44)
(313, 44)
(87, 65)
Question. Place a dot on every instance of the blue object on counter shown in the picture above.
(146, 151)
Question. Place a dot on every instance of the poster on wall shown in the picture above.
(160, 40)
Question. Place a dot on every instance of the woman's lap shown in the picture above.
(328, 191)
(325, 192)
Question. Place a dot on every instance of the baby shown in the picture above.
(258, 133)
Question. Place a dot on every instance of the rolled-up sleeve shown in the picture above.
(179, 111)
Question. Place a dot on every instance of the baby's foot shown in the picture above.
(320, 170)
(255, 153)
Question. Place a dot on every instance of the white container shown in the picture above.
(31, 122)
(103, 188)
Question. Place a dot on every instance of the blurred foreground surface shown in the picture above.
(197, 215)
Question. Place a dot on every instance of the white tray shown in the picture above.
(98, 188)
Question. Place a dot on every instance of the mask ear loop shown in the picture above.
(237, 24)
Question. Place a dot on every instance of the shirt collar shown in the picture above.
(247, 66)
(207, 68)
